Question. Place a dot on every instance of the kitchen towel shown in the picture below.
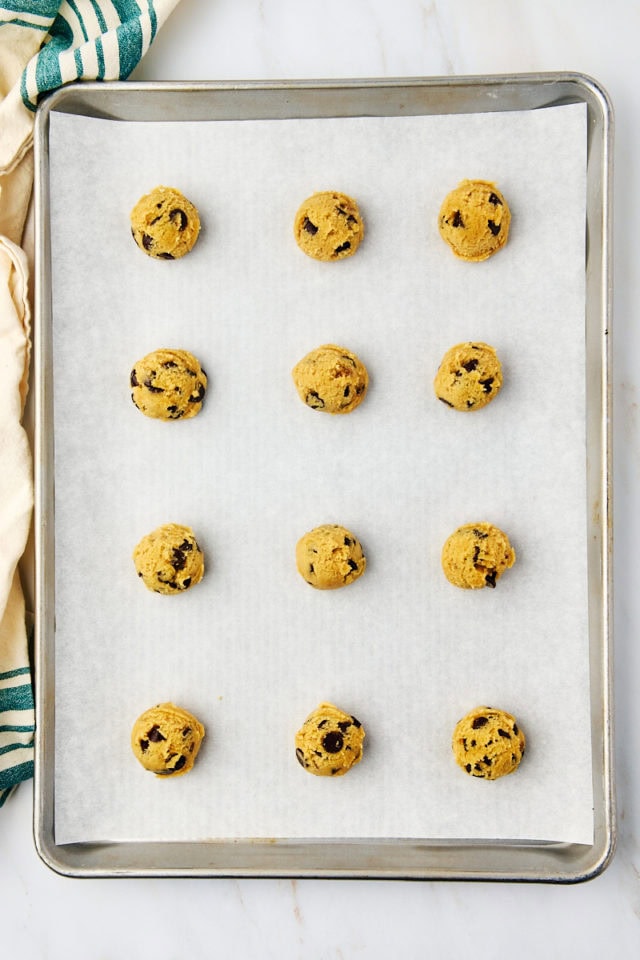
(43, 44)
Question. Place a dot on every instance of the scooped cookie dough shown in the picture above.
(488, 743)
(469, 376)
(168, 385)
(329, 742)
(328, 226)
(166, 739)
(164, 224)
(476, 555)
(329, 557)
(331, 379)
(474, 220)
(169, 560)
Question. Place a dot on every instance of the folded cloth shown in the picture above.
(43, 44)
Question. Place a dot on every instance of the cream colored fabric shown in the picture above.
(41, 46)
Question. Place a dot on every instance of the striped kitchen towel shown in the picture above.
(43, 44)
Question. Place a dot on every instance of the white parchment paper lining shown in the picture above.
(253, 649)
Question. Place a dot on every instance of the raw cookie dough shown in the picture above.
(474, 220)
(166, 739)
(329, 557)
(169, 559)
(168, 385)
(329, 742)
(331, 379)
(164, 224)
(328, 226)
(476, 555)
(468, 377)
(488, 743)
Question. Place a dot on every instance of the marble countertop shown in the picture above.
(48, 916)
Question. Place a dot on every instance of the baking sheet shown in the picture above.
(251, 650)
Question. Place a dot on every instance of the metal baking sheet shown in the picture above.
(356, 857)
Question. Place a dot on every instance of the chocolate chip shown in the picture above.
(503, 733)
(186, 545)
(300, 757)
(172, 409)
(346, 391)
(179, 561)
(180, 215)
(169, 363)
(490, 578)
(476, 554)
(352, 564)
(479, 722)
(186, 583)
(468, 768)
(473, 743)
(457, 220)
(198, 396)
(480, 534)
(165, 256)
(335, 770)
(333, 741)
(464, 743)
(344, 725)
(348, 542)
(470, 365)
(355, 722)
(144, 745)
(186, 731)
(313, 400)
(155, 220)
(150, 387)
(311, 568)
(343, 246)
(180, 762)
(445, 401)
(154, 734)
(322, 724)
(309, 227)
(486, 760)
(147, 241)
(487, 383)
(515, 728)
(496, 201)
(494, 227)
(134, 378)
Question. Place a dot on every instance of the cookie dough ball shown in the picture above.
(477, 555)
(474, 220)
(164, 224)
(169, 559)
(329, 742)
(488, 743)
(168, 385)
(328, 226)
(331, 379)
(166, 740)
(329, 557)
(469, 376)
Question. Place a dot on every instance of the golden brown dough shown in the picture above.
(474, 220)
(469, 376)
(329, 742)
(328, 226)
(488, 743)
(164, 224)
(166, 740)
(330, 556)
(476, 555)
(331, 379)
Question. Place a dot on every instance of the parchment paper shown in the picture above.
(253, 649)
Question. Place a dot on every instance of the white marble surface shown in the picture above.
(46, 916)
